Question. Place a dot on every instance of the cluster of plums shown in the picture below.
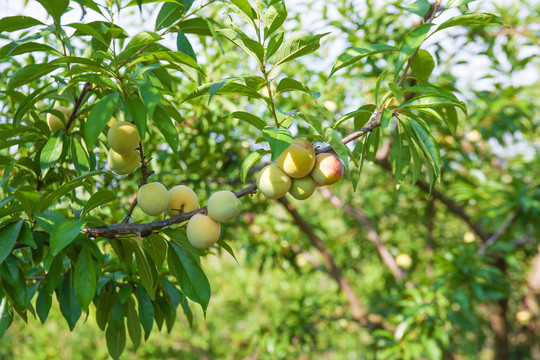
(202, 230)
(299, 171)
(153, 198)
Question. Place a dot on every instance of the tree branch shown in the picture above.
(359, 312)
(145, 174)
(87, 87)
(372, 234)
(449, 203)
(145, 229)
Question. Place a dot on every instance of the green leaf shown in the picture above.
(146, 311)
(43, 304)
(419, 7)
(13, 49)
(189, 274)
(137, 43)
(422, 65)
(169, 13)
(296, 46)
(245, 8)
(288, 84)
(51, 151)
(133, 325)
(412, 41)
(330, 136)
(13, 282)
(144, 269)
(279, 139)
(432, 349)
(54, 275)
(137, 111)
(174, 57)
(51, 198)
(274, 44)
(29, 198)
(63, 234)
(26, 236)
(98, 118)
(101, 197)
(8, 238)
(69, 307)
(150, 96)
(165, 125)
(428, 144)
(249, 161)
(80, 157)
(224, 87)
(240, 39)
(183, 45)
(353, 55)
(471, 19)
(249, 118)
(397, 91)
(55, 8)
(400, 156)
(116, 339)
(155, 246)
(85, 29)
(273, 18)
(14, 23)
(427, 101)
(360, 115)
(372, 145)
(386, 117)
(227, 248)
(105, 307)
(6, 316)
(85, 278)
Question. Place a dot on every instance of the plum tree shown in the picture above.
(153, 198)
(328, 169)
(203, 231)
(298, 159)
(123, 164)
(59, 123)
(224, 206)
(182, 199)
(123, 137)
(302, 188)
(273, 182)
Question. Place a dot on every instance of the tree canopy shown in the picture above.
(426, 248)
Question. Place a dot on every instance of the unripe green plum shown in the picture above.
(302, 188)
(404, 261)
(224, 206)
(182, 198)
(123, 164)
(202, 231)
(153, 198)
(56, 123)
(123, 137)
(273, 182)
(298, 160)
(328, 169)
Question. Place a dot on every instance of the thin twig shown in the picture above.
(496, 235)
(87, 87)
(145, 174)
(372, 235)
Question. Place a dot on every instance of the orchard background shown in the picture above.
(427, 248)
